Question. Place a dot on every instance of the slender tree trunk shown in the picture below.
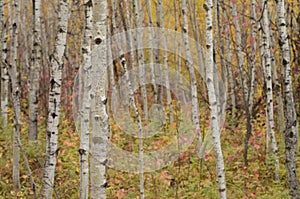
(141, 59)
(100, 120)
(138, 19)
(56, 61)
(4, 73)
(151, 37)
(193, 80)
(291, 131)
(231, 81)
(223, 86)
(135, 109)
(267, 69)
(243, 75)
(252, 57)
(166, 68)
(213, 100)
(33, 79)
(86, 105)
(16, 93)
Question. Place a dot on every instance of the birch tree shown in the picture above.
(140, 126)
(166, 66)
(86, 105)
(151, 37)
(193, 80)
(33, 80)
(56, 61)
(100, 120)
(16, 92)
(291, 131)
(141, 59)
(267, 70)
(3, 72)
(215, 128)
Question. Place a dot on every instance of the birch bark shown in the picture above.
(4, 73)
(269, 89)
(138, 19)
(16, 93)
(166, 68)
(33, 79)
(56, 61)
(194, 94)
(100, 120)
(151, 37)
(86, 104)
(213, 100)
(291, 131)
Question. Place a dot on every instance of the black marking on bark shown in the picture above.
(81, 151)
(284, 62)
(104, 101)
(206, 8)
(98, 40)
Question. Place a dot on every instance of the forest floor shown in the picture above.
(184, 178)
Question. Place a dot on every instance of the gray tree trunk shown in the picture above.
(4, 73)
(100, 120)
(16, 93)
(291, 131)
(54, 105)
(33, 80)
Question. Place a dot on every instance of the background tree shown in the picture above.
(33, 80)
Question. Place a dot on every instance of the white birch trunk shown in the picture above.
(54, 105)
(213, 101)
(100, 120)
(33, 80)
(269, 89)
(193, 80)
(86, 104)
(280, 120)
(291, 131)
(4, 73)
